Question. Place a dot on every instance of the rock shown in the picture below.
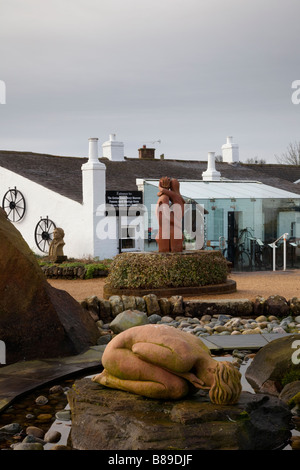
(165, 306)
(261, 319)
(28, 446)
(12, 428)
(154, 318)
(35, 431)
(52, 436)
(259, 305)
(105, 311)
(44, 417)
(92, 305)
(252, 331)
(152, 304)
(271, 364)
(291, 393)
(116, 304)
(63, 415)
(128, 319)
(295, 306)
(176, 302)
(31, 438)
(276, 305)
(104, 339)
(295, 442)
(36, 320)
(41, 400)
(128, 302)
(56, 389)
(61, 447)
(113, 419)
(140, 304)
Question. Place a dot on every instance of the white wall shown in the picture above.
(70, 215)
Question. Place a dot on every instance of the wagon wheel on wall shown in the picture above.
(43, 234)
(14, 204)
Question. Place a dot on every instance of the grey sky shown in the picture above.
(187, 72)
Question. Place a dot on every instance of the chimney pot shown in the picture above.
(230, 151)
(211, 174)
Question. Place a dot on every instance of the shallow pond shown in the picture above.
(26, 412)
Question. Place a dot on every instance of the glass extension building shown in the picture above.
(243, 219)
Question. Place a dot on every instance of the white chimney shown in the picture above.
(93, 150)
(211, 174)
(113, 150)
(230, 151)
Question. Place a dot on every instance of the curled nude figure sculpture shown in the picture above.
(162, 362)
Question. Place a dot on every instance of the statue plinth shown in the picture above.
(188, 273)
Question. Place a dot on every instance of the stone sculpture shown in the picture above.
(170, 234)
(161, 362)
(56, 253)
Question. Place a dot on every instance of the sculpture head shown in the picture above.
(58, 234)
(226, 387)
(165, 182)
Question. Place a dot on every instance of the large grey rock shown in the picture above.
(271, 365)
(106, 419)
(36, 320)
(128, 319)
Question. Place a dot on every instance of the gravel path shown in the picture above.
(249, 285)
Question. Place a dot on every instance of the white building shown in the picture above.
(40, 192)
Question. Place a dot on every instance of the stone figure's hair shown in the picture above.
(226, 387)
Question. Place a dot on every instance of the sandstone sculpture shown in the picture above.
(161, 362)
(56, 253)
(170, 236)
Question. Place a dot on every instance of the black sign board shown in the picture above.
(124, 198)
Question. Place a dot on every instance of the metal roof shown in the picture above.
(228, 189)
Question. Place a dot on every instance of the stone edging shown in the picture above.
(225, 288)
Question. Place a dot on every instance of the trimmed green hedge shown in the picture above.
(159, 270)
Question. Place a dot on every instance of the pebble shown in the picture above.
(35, 431)
(228, 325)
(28, 446)
(52, 436)
(41, 400)
(64, 415)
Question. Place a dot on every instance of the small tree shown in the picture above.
(291, 156)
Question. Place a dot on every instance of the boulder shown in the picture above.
(36, 320)
(128, 319)
(272, 365)
(107, 419)
(276, 305)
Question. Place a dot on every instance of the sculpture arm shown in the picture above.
(166, 358)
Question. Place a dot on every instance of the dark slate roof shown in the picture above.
(63, 174)
(60, 174)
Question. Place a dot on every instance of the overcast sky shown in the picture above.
(185, 72)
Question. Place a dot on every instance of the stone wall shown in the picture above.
(70, 272)
(174, 306)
